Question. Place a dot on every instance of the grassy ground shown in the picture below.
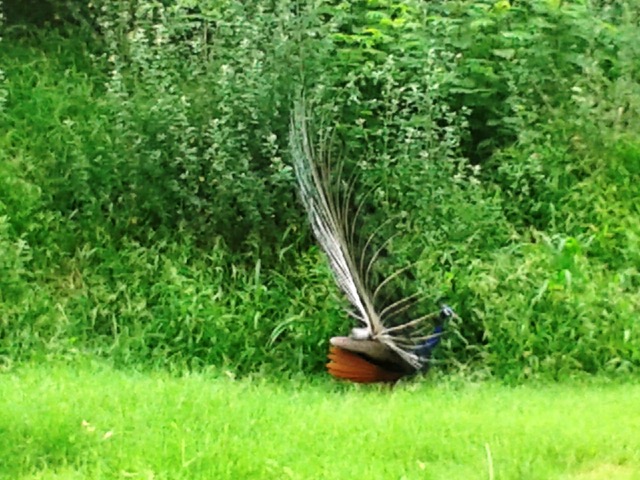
(71, 421)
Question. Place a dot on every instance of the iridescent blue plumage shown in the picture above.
(424, 350)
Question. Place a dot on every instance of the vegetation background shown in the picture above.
(148, 210)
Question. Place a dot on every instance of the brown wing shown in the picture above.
(351, 366)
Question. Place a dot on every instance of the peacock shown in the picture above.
(387, 344)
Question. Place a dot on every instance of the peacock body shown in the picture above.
(386, 345)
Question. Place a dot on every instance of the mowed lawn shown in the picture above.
(89, 421)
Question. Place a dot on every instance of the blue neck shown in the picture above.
(424, 350)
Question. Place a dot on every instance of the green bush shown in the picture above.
(548, 307)
(148, 211)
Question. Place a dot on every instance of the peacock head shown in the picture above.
(446, 312)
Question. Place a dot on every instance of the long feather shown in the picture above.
(327, 223)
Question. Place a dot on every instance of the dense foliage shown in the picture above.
(148, 209)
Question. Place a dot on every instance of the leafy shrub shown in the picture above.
(549, 308)
(148, 212)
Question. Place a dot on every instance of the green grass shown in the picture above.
(90, 421)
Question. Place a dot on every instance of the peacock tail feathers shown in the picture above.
(388, 342)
